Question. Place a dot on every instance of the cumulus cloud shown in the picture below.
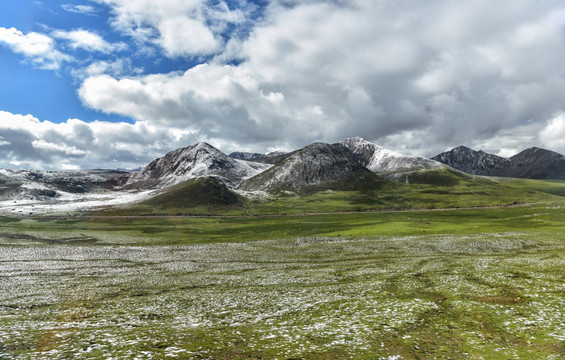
(419, 77)
(553, 134)
(37, 48)
(27, 142)
(181, 28)
(88, 40)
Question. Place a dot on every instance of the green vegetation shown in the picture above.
(199, 196)
(166, 230)
(554, 187)
(430, 281)
(437, 189)
(494, 296)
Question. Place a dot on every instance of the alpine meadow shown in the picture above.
(282, 179)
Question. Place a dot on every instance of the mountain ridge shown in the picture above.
(351, 164)
(384, 162)
(198, 160)
(316, 165)
(531, 163)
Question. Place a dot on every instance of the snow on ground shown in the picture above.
(68, 202)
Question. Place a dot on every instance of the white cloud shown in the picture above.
(43, 145)
(553, 134)
(116, 68)
(182, 28)
(4, 142)
(183, 36)
(373, 69)
(39, 49)
(414, 76)
(80, 9)
(30, 143)
(89, 41)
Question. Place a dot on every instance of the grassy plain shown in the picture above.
(430, 190)
(421, 283)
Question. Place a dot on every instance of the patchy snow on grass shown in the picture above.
(385, 298)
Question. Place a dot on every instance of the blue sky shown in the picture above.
(54, 92)
(116, 83)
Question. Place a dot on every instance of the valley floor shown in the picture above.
(461, 284)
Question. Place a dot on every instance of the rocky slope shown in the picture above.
(316, 166)
(31, 191)
(271, 158)
(383, 161)
(535, 163)
(472, 162)
(240, 155)
(33, 184)
(532, 163)
(191, 162)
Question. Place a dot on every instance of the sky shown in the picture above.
(117, 83)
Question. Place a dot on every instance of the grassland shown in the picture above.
(430, 190)
(420, 283)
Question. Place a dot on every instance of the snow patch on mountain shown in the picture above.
(315, 164)
(240, 155)
(191, 162)
(383, 161)
(30, 191)
(66, 202)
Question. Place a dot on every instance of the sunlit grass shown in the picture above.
(496, 295)
(459, 283)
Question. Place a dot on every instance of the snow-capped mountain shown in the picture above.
(472, 162)
(269, 158)
(318, 164)
(191, 162)
(241, 155)
(532, 163)
(34, 184)
(32, 191)
(383, 161)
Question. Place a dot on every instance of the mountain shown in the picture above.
(273, 158)
(315, 167)
(384, 162)
(535, 163)
(206, 192)
(532, 163)
(270, 158)
(48, 185)
(470, 161)
(245, 155)
(191, 162)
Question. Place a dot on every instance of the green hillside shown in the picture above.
(436, 189)
(201, 195)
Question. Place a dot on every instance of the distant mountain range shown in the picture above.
(351, 164)
(532, 163)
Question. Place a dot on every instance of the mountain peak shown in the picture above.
(471, 161)
(383, 161)
(198, 160)
(316, 165)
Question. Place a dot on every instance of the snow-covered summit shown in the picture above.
(316, 164)
(242, 155)
(383, 161)
(201, 159)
